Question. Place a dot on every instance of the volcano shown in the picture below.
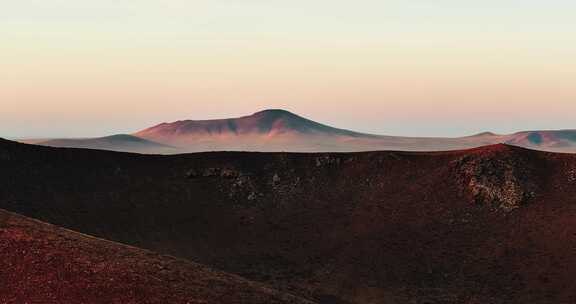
(269, 130)
(265, 123)
(283, 131)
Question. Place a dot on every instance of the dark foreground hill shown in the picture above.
(42, 263)
(489, 225)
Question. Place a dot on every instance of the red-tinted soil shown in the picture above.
(489, 225)
(41, 263)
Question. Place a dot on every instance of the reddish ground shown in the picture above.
(41, 263)
(489, 225)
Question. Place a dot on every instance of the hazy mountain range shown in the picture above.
(280, 130)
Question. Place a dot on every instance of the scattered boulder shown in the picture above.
(572, 175)
(227, 173)
(327, 160)
(252, 196)
(275, 179)
(501, 182)
(243, 189)
(211, 172)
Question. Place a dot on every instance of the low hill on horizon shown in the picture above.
(280, 130)
(119, 142)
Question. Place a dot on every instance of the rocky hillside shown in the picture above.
(488, 225)
(42, 263)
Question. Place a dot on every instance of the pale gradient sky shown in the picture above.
(403, 67)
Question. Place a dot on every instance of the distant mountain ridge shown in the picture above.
(267, 122)
(551, 140)
(278, 130)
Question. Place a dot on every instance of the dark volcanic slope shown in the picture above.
(489, 225)
(42, 263)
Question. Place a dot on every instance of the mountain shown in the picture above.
(487, 225)
(42, 263)
(120, 142)
(265, 123)
(269, 130)
(556, 141)
(280, 130)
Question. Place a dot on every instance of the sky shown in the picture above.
(76, 68)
